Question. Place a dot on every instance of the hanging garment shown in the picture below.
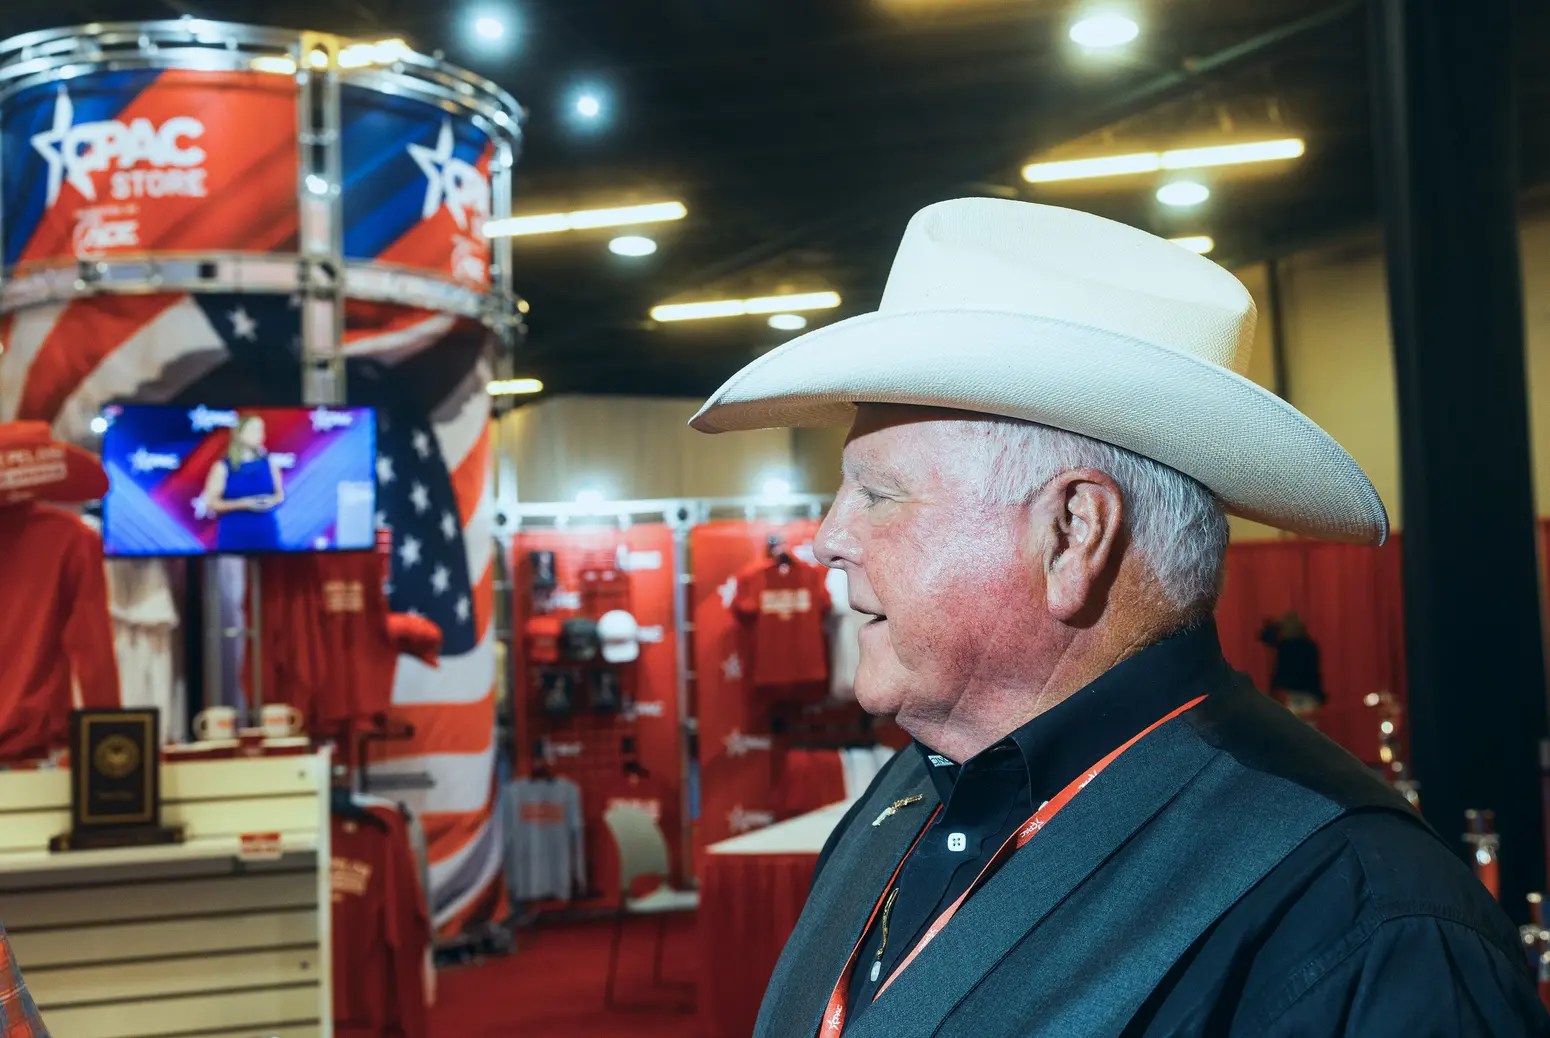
(784, 603)
(145, 626)
(545, 853)
(381, 932)
(327, 648)
(54, 629)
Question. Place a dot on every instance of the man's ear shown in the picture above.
(1082, 513)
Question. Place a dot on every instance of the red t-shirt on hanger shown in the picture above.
(55, 634)
(785, 603)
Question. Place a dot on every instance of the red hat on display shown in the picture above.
(416, 636)
(36, 467)
(543, 639)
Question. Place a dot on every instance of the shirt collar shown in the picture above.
(1053, 748)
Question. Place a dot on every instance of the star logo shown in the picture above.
(727, 591)
(450, 182)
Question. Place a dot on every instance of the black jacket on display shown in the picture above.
(1234, 873)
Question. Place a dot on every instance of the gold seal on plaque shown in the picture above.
(116, 756)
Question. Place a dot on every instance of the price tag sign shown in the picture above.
(259, 847)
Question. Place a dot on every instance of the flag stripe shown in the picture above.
(78, 341)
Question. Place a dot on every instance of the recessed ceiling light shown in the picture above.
(588, 106)
(788, 322)
(489, 27)
(632, 245)
(1104, 31)
(1183, 193)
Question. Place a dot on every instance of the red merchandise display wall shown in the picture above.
(1352, 600)
(737, 760)
(588, 747)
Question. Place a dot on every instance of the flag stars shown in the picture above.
(243, 326)
(462, 609)
(420, 498)
(422, 443)
(384, 469)
(449, 526)
(409, 552)
(441, 579)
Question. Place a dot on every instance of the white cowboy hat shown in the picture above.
(1067, 319)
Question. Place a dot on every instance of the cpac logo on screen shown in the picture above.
(143, 460)
(203, 419)
(75, 153)
(324, 420)
(451, 182)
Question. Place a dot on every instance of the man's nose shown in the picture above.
(834, 544)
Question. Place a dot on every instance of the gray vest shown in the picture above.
(1078, 928)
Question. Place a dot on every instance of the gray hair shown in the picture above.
(1174, 522)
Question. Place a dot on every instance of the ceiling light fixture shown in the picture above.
(1183, 193)
(514, 387)
(743, 307)
(788, 322)
(1157, 161)
(632, 245)
(1196, 243)
(488, 27)
(585, 219)
(1104, 31)
(588, 106)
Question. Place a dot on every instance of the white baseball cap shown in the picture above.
(620, 634)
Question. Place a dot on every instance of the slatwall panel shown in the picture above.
(183, 940)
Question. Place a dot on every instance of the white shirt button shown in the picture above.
(957, 842)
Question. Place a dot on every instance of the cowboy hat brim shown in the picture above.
(1262, 458)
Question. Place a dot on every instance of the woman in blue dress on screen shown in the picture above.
(243, 490)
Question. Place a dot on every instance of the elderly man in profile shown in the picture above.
(1101, 828)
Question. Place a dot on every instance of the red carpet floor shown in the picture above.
(553, 985)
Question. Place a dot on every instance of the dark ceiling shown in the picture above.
(802, 133)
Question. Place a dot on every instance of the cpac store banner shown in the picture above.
(416, 186)
(145, 160)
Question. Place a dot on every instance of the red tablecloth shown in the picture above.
(749, 905)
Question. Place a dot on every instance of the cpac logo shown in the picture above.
(740, 745)
(742, 820)
(143, 460)
(203, 419)
(94, 232)
(75, 153)
(453, 183)
(323, 419)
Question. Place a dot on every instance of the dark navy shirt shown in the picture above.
(985, 799)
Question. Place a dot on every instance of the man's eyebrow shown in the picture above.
(868, 470)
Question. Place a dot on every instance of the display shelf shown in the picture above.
(193, 938)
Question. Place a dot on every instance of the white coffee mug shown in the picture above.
(218, 722)
(280, 720)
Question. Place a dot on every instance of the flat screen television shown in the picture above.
(205, 480)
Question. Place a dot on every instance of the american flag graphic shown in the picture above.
(425, 374)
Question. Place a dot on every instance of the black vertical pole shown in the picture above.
(1447, 183)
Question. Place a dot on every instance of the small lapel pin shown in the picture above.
(893, 808)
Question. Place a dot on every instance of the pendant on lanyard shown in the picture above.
(834, 1015)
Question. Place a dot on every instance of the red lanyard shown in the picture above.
(834, 1016)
